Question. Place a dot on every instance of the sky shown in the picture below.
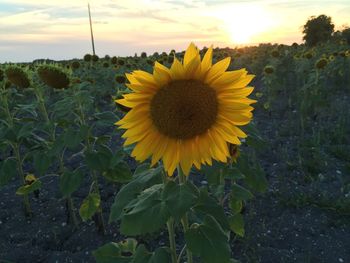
(59, 29)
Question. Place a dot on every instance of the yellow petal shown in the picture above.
(242, 82)
(190, 54)
(207, 61)
(217, 70)
(161, 76)
(235, 93)
(191, 68)
(177, 70)
(186, 156)
(228, 78)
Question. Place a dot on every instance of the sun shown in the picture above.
(244, 22)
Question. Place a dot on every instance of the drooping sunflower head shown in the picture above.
(75, 65)
(2, 76)
(186, 115)
(95, 58)
(308, 55)
(114, 60)
(269, 69)
(53, 76)
(18, 76)
(87, 57)
(275, 53)
(321, 63)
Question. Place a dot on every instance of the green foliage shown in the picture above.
(70, 182)
(29, 188)
(89, 206)
(8, 170)
(318, 29)
(115, 253)
(200, 237)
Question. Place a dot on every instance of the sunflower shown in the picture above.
(188, 114)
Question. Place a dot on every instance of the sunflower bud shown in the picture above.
(53, 76)
(17, 76)
(234, 152)
(105, 64)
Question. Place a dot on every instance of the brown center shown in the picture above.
(184, 109)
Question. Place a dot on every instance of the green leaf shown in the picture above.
(206, 205)
(147, 214)
(25, 130)
(110, 253)
(8, 170)
(239, 193)
(27, 189)
(70, 182)
(212, 172)
(256, 180)
(98, 161)
(161, 255)
(209, 241)
(179, 198)
(121, 173)
(254, 139)
(105, 119)
(73, 137)
(117, 157)
(237, 224)
(89, 206)
(254, 174)
(236, 206)
(233, 173)
(42, 162)
(143, 177)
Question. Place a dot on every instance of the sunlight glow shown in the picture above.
(245, 22)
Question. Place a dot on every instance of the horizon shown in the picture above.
(59, 30)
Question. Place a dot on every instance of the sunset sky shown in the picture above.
(59, 29)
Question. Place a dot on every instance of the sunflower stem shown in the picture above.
(184, 220)
(26, 203)
(72, 218)
(4, 99)
(171, 233)
(43, 110)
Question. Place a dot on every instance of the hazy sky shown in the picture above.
(59, 29)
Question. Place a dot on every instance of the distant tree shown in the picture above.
(346, 34)
(318, 29)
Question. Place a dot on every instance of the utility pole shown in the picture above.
(92, 34)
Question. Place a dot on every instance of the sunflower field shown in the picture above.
(209, 155)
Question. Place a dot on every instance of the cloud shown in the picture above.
(39, 27)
